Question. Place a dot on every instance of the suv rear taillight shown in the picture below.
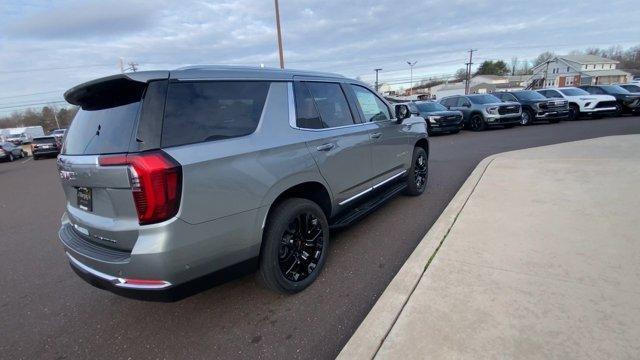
(156, 183)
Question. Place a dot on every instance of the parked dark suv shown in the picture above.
(45, 146)
(483, 110)
(171, 175)
(536, 107)
(628, 102)
(438, 118)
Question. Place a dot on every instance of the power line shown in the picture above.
(33, 104)
(23, 95)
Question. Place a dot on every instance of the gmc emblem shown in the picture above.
(67, 175)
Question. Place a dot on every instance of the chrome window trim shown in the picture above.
(373, 187)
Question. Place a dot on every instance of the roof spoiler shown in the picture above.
(112, 90)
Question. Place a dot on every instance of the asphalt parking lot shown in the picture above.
(46, 311)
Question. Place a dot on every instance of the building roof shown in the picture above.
(610, 72)
(587, 59)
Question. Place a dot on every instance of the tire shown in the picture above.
(476, 123)
(11, 158)
(527, 118)
(418, 174)
(280, 257)
(574, 112)
(35, 157)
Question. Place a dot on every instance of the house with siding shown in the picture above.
(576, 70)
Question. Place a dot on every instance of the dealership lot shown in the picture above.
(47, 311)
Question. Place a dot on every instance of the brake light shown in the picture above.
(156, 183)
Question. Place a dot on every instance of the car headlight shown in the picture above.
(491, 109)
(433, 119)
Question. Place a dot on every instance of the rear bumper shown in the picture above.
(164, 255)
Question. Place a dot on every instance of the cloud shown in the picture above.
(79, 20)
(349, 37)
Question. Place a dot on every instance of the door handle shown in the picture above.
(376, 135)
(325, 147)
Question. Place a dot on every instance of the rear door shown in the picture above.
(389, 142)
(338, 141)
(99, 200)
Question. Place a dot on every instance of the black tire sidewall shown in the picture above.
(270, 272)
(412, 188)
(482, 126)
(574, 112)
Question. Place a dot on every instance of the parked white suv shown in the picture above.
(583, 103)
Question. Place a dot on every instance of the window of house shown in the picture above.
(568, 69)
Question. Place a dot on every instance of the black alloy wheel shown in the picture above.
(418, 174)
(477, 123)
(301, 247)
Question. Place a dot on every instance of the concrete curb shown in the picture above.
(373, 330)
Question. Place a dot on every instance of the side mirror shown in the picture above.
(402, 112)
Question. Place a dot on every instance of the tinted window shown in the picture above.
(573, 92)
(484, 99)
(206, 111)
(307, 116)
(632, 88)
(463, 102)
(594, 90)
(449, 102)
(615, 89)
(331, 104)
(430, 106)
(372, 107)
(103, 131)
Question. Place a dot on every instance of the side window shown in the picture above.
(212, 110)
(372, 107)
(307, 116)
(509, 97)
(331, 104)
(595, 90)
(449, 102)
(554, 94)
(462, 102)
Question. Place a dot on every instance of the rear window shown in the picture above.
(44, 140)
(207, 111)
(102, 131)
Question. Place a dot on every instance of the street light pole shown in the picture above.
(411, 65)
(377, 70)
(280, 51)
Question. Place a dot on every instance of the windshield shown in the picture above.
(430, 106)
(484, 99)
(574, 92)
(615, 89)
(632, 88)
(58, 132)
(528, 95)
(44, 140)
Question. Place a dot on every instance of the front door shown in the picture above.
(389, 141)
(339, 144)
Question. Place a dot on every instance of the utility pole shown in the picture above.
(121, 63)
(377, 85)
(411, 65)
(280, 51)
(466, 86)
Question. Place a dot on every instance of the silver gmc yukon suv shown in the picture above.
(172, 175)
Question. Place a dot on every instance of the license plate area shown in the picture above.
(85, 198)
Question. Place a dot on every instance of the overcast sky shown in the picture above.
(47, 47)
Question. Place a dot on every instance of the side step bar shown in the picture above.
(366, 207)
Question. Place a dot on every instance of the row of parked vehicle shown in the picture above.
(479, 111)
(41, 146)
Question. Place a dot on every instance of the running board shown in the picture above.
(367, 207)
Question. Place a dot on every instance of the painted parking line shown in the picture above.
(24, 161)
